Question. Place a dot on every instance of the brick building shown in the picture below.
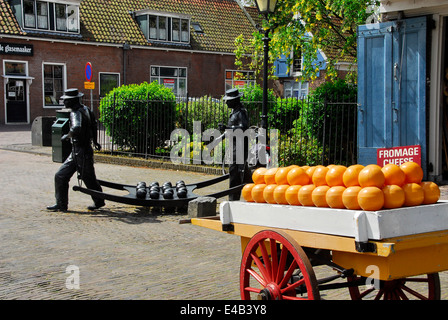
(45, 47)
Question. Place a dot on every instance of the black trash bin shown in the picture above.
(61, 149)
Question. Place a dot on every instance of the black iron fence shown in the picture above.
(307, 131)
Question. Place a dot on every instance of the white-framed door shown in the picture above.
(16, 91)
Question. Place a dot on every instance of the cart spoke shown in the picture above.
(379, 294)
(282, 263)
(402, 295)
(293, 285)
(266, 260)
(293, 298)
(251, 289)
(288, 275)
(366, 292)
(394, 295)
(274, 258)
(257, 277)
(260, 266)
(414, 293)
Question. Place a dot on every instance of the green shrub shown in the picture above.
(139, 117)
(329, 102)
(206, 109)
(323, 130)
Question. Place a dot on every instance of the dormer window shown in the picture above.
(47, 15)
(36, 14)
(165, 27)
(197, 27)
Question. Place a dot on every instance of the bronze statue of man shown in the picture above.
(238, 172)
(83, 131)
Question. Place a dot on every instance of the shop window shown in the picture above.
(15, 88)
(164, 28)
(54, 84)
(108, 82)
(237, 78)
(171, 77)
(45, 15)
(15, 68)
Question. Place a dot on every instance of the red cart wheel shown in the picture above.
(424, 287)
(271, 282)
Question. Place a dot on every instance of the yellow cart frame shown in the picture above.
(390, 260)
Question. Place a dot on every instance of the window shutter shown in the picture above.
(281, 67)
(319, 62)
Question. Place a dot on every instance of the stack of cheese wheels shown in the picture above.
(356, 187)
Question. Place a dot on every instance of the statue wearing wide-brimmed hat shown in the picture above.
(71, 94)
(238, 172)
(83, 131)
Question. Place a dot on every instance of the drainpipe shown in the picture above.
(126, 47)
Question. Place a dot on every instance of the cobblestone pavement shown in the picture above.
(120, 251)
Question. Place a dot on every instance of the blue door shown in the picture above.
(391, 87)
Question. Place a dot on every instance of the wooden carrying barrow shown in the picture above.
(386, 254)
(131, 197)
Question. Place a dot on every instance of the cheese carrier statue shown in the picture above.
(83, 131)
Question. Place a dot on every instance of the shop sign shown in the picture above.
(399, 155)
(17, 49)
(239, 83)
(89, 85)
(169, 83)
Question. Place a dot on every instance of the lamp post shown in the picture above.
(265, 7)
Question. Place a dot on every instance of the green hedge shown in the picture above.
(139, 117)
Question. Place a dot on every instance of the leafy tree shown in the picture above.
(307, 26)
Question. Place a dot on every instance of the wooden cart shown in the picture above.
(386, 254)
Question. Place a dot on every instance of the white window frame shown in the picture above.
(169, 25)
(36, 16)
(67, 5)
(294, 73)
(28, 80)
(112, 73)
(233, 80)
(177, 77)
(296, 86)
(64, 83)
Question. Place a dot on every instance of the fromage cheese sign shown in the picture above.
(399, 155)
(18, 49)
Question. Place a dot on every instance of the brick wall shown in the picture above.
(205, 71)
